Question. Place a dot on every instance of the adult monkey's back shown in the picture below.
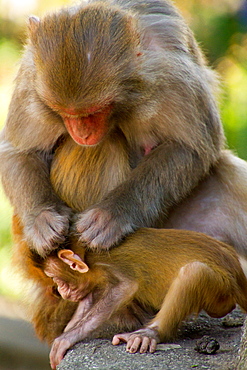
(123, 94)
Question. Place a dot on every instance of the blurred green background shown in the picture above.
(221, 29)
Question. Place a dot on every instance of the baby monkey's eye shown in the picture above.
(55, 292)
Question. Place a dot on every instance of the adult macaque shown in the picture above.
(177, 273)
(105, 73)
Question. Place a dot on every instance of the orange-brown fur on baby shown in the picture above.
(177, 273)
(48, 312)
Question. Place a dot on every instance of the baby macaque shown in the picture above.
(175, 272)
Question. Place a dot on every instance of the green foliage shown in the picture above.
(5, 248)
(224, 37)
(234, 109)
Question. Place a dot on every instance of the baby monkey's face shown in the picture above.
(67, 290)
(67, 281)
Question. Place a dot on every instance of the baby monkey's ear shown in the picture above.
(73, 260)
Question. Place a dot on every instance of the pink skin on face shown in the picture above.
(67, 291)
(87, 127)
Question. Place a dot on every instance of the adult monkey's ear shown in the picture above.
(33, 23)
(73, 260)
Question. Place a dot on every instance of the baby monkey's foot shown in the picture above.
(143, 340)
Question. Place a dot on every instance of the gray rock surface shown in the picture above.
(100, 354)
(19, 348)
(242, 363)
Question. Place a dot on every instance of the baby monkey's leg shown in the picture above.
(196, 287)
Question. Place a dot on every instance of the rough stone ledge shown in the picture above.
(100, 354)
(242, 363)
